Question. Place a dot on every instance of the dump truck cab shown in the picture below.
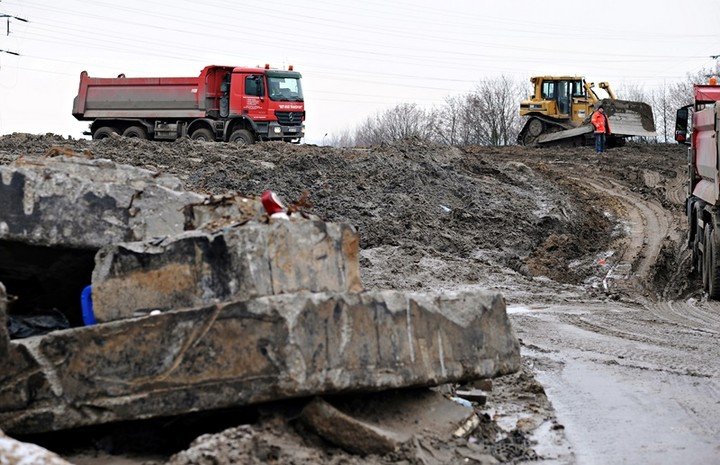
(272, 99)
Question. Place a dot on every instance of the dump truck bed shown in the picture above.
(148, 97)
(137, 98)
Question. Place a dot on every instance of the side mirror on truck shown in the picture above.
(682, 124)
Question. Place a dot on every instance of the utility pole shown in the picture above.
(7, 29)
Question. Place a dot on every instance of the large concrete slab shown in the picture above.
(80, 203)
(253, 351)
(198, 268)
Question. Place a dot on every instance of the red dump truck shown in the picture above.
(224, 103)
(697, 125)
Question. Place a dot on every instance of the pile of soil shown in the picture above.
(429, 216)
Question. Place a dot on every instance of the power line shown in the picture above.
(7, 29)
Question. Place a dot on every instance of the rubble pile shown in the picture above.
(204, 302)
(201, 304)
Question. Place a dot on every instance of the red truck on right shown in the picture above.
(697, 125)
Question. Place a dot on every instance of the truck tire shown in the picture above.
(705, 258)
(714, 259)
(203, 134)
(137, 132)
(242, 137)
(103, 132)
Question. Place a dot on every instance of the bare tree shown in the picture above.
(633, 92)
(342, 139)
(662, 108)
(493, 111)
(669, 97)
(487, 116)
(403, 121)
(450, 120)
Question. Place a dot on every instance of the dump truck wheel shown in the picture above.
(104, 132)
(242, 137)
(706, 259)
(136, 132)
(714, 275)
(696, 256)
(203, 135)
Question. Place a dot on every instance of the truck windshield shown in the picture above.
(285, 89)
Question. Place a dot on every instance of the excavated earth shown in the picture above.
(619, 343)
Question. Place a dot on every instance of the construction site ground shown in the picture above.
(588, 250)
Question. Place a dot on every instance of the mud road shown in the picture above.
(635, 380)
(588, 251)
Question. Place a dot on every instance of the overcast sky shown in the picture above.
(356, 57)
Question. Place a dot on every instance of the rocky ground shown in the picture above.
(570, 238)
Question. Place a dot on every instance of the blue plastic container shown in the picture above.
(86, 303)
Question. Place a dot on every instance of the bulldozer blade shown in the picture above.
(563, 135)
(629, 118)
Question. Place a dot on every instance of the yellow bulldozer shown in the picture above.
(560, 108)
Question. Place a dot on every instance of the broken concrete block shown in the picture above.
(55, 213)
(14, 452)
(222, 211)
(258, 350)
(473, 395)
(353, 435)
(380, 423)
(468, 427)
(198, 268)
(81, 203)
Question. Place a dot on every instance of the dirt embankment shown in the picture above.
(429, 216)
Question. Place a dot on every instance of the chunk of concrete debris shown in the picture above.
(473, 395)
(80, 203)
(351, 434)
(55, 213)
(198, 268)
(253, 351)
(380, 423)
(468, 427)
(14, 452)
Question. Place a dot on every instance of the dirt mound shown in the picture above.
(429, 216)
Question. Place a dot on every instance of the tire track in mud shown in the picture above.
(682, 332)
(649, 223)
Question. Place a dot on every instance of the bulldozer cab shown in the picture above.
(563, 97)
(563, 92)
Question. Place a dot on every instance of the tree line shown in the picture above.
(489, 114)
